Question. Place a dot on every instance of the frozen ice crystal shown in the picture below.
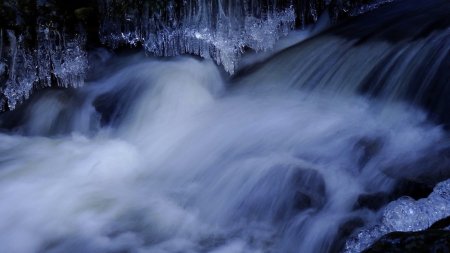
(405, 214)
(22, 72)
(205, 28)
(441, 191)
(73, 66)
(56, 56)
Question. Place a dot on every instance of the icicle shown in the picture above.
(1, 43)
(2, 64)
(73, 63)
(22, 73)
(219, 33)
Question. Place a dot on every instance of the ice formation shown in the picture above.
(37, 51)
(220, 30)
(56, 56)
(406, 215)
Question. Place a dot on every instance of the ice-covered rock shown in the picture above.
(405, 215)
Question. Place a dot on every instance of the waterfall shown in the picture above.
(407, 61)
(309, 149)
(151, 161)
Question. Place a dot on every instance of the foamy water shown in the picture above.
(182, 163)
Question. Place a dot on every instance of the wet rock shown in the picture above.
(375, 201)
(441, 224)
(432, 241)
(372, 201)
(345, 230)
(411, 217)
(283, 192)
(310, 189)
(413, 189)
(429, 168)
(367, 149)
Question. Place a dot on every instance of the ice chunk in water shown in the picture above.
(405, 214)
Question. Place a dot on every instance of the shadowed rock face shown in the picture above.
(429, 241)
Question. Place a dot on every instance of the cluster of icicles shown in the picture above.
(56, 56)
(220, 30)
(211, 29)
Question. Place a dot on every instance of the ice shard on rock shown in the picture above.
(405, 215)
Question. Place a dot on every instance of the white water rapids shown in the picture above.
(186, 164)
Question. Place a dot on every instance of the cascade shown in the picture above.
(325, 144)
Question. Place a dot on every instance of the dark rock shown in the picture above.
(428, 241)
(376, 200)
(346, 228)
(415, 190)
(433, 240)
(441, 224)
(283, 192)
(372, 201)
(310, 189)
(367, 149)
(426, 171)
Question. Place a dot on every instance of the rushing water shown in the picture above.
(168, 156)
(180, 164)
